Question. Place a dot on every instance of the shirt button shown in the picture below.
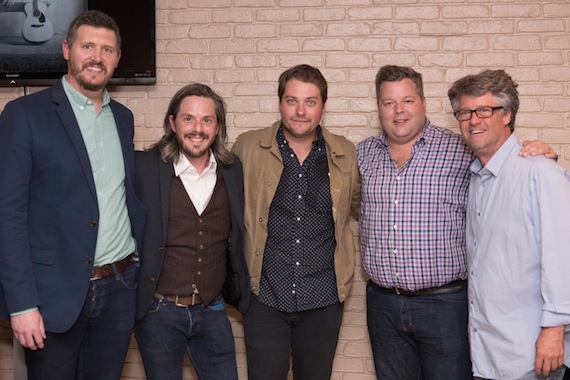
(199, 259)
(298, 219)
(395, 226)
(201, 246)
(200, 233)
(293, 291)
(297, 263)
(194, 286)
(297, 241)
(396, 202)
(299, 196)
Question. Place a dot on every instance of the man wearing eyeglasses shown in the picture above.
(518, 246)
(412, 236)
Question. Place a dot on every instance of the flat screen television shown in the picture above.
(32, 31)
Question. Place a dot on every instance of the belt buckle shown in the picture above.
(176, 303)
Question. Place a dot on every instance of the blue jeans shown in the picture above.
(419, 337)
(96, 345)
(204, 332)
(271, 336)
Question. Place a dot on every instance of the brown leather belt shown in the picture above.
(180, 301)
(452, 287)
(107, 269)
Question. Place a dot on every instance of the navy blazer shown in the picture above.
(48, 206)
(153, 179)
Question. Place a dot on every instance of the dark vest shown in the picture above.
(196, 245)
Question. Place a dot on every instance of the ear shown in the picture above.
(65, 49)
(172, 124)
(507, 118)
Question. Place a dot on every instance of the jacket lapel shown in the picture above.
(165, 172)
(65, 112)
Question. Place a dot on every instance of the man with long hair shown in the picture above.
(192, 188)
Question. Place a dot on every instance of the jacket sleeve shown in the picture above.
(16, 274)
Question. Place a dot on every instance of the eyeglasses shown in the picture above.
(482, 112)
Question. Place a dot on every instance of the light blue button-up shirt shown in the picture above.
(99, 131)
(518, 249)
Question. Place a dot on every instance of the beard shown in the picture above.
(80, 76)
(190, 151)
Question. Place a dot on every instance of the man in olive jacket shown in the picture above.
(301, 183)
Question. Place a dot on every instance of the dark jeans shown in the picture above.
(419, 337)
(204, 332)
(271, 336)
(96, 345)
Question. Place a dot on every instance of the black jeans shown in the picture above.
(271, 336)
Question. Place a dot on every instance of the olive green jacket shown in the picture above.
(262, 167)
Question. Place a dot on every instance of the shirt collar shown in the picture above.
(78, 98)
(182, 164)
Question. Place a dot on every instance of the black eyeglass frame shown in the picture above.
(477, 111)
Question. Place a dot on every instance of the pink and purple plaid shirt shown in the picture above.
(412, 220)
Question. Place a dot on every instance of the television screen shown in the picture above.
(32, 31)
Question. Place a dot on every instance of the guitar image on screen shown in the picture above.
(37, 28)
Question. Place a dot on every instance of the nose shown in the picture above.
(300, 108)
(97, 55)
(399, 108)
(474, 118)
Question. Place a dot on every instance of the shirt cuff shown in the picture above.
(23, 312)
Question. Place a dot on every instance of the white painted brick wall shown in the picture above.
(239, 48)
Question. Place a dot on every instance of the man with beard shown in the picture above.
(70, 221)
(192, 188)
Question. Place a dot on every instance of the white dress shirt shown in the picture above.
(199, 187)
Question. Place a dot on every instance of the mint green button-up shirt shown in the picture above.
(99, 131)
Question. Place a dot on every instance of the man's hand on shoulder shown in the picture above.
(29, 329)
(537, 148)
(549, 350)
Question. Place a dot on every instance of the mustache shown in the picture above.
(99, 65)
(196, 134)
